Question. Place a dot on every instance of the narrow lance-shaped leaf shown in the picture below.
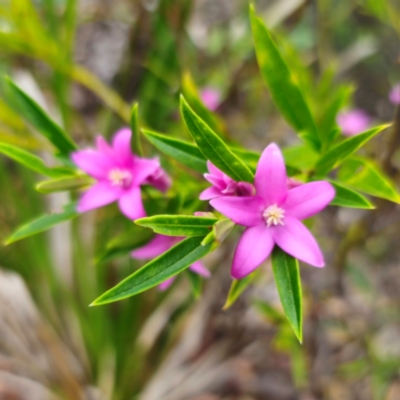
(136, 145)
(196, 282)
(346, 197)
(31, 161)
(43, 223)
(287, 278)
(213, 147)
(341, 151)
(367, 177)
(168, 264)
(238, 286)
(186, 153)
(283, 89)
(33, 113)
(73, 182)
(178, 225)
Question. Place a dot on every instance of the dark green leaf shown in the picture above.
(213, 147)
(136, 146)
(287, 278)
(43, 223)
(169, 264)
(31, 161)
(345, 197)
(34, 114)
(186, 153)
(178, 225)
(63, 184)
(341, 151)
(365, 176)
(196, 283)
(280, 81)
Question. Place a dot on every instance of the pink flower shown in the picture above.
(158, 245)
(273, 216)
(394, 95)
(353, 122)
(119, 174)
(223, 185)
(211, 98)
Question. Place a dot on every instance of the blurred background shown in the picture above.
(85, 62)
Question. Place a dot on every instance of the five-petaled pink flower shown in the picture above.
(158, 245)
(211, 98)
(119, 174)
(353, 122)
(273, 215)
(223, 185)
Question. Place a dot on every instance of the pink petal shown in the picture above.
(216, 181)
(121, 144)
(295, 239)
(103, 147)
(245, 189)
(270, 178)
(166, 284)
(143, 168)
(98, 195)
(213, 170)
(209, 193)
(254, 247)
(130, 203)
(211, 98)
(158, 245)
(309, 199)
(160, 180)
(93, 163)
(200, 269)
(246, 211)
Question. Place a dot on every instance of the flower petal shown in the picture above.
(254, 247)
(158, 245)
(295, 239)
(270, 178)
(121, 144)
(166, 284)
(245, 189)
(130, 203)
(200, 269)
(98, 195)
(246, 211)
(210, 193)
(103, 147)
(160, 180)
(309, 199)
(216, 181)
(213, 170)
(143, 168)
(93, 163)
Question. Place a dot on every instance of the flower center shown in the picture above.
(120, 177)
(273, 215)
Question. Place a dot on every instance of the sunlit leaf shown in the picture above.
(238, 286)
(169, 264)
(63, 184)
(178, 225)
(136, 146)
(213, 147)
(287, 278)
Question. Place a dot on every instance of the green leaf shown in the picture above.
(186, 153)
(365, 176)
(136, 146)
(345, 197)
(43, 223)
(63, 184)
(269, 312)
(238, 286)
(287, 279)
(301, 157)
(281, 83)
(169, 264)
(31, 161)
(33, 113)
(178, 225)
(121, 245)
(213, 147)
(341, 151)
